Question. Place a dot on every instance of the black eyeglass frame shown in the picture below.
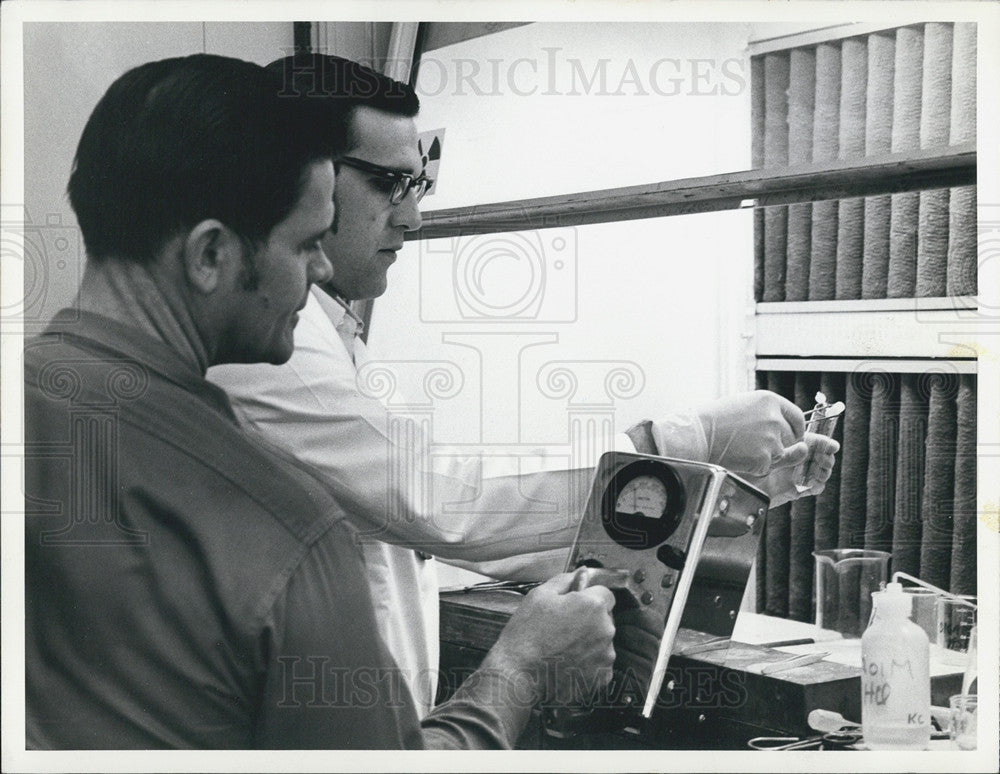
(403, 182)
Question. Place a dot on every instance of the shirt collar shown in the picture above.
(338, 309)
(102, 333)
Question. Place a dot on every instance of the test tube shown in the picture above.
(821, 419)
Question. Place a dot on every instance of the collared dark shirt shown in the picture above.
(185, 585)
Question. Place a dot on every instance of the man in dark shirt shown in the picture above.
(187, 585)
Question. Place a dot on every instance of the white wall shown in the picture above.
(667, 294)
(672, 105)
(67, 68)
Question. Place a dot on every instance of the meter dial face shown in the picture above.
(643, 504)
(643, 495)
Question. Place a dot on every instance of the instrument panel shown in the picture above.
(688, 534)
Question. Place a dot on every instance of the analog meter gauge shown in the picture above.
(642, 505)
(643, 496)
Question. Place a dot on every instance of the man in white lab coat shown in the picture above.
(313, 407)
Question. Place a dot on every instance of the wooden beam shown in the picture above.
(890, 173)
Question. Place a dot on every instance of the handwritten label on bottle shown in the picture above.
(878, 679)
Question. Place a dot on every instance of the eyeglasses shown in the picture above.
(402, 182)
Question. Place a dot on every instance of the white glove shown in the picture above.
(781, 482)
(751, 434)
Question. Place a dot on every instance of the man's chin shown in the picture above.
(278, 353)
(271, 357)
(282, 353)
(280, 358)
(373, 286)
(377, 289)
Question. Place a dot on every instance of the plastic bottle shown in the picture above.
(895, 676)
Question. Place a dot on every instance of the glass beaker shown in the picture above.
(924, 609)
(845, 580)
(970, 682)
(956, 617)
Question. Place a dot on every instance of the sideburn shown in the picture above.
(249, 276)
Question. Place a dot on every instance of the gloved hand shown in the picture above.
(750, 433)
(781, 482)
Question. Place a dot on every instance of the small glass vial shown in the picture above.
(895, 676)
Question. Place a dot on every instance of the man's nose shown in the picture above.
(407, 213)
(320, 269)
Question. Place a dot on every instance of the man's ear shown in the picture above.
(210, 251)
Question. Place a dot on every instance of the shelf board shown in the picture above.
(855, 365)
(936, 328)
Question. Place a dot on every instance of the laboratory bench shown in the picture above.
(714, 698)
